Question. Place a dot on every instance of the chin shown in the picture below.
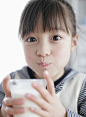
(39, 75)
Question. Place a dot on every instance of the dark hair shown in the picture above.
(56, 14)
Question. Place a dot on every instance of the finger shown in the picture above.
(12, 111)
(39, 101)
(40, 112)
(44, 93)
(50, 84)
(6, 87)
(12, 102)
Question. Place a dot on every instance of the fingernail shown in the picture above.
(32, 108)
(21, 101)
(22, 110)
(46, 72)
(35, 84)
(28, 95)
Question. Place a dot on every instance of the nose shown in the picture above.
(43, 50)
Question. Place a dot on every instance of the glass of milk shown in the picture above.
(19, 87)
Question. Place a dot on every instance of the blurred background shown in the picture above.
(78, 57)
(11, 52)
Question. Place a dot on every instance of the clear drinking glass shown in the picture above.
(19, 87)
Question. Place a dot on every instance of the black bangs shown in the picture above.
(52, 13)
(53, 16)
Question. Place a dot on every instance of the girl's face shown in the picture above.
(48, 51)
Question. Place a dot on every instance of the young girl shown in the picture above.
(48, 34)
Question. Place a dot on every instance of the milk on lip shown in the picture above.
(19, 90)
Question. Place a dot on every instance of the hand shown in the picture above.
(50, 104)
(7, 109)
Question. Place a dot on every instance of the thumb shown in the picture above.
(6, 87)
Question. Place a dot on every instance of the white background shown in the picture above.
(11, 52)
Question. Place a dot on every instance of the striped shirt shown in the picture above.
(27, 73)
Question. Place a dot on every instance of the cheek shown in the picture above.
(29, 55)
(62, 55)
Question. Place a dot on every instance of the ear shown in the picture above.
(74, 43)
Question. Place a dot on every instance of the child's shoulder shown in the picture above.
(75, 78)
(23, 73)
(74, 74)
(74, 86)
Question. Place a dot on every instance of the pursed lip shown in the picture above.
(44, 64)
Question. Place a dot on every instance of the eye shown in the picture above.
(56, 38)
(31, 39)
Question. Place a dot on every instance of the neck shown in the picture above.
(58, 76)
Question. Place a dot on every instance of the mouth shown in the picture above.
(44, 64)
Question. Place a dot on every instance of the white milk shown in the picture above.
(19, 90)
(28, 103)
